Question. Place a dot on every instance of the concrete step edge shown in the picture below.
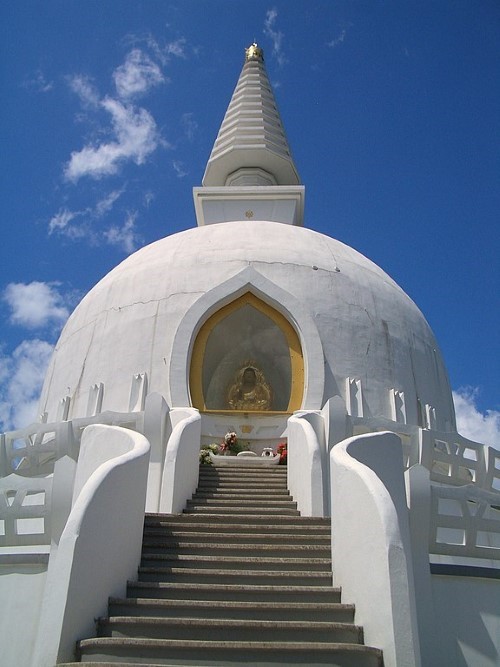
(229, 645)
(229, 604)
(241, 546)
(273, 560)
(234, 587)
(183, 517)
(230, 623)
(221, 573)
(178, 537)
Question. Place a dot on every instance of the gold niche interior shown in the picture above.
(247, 358)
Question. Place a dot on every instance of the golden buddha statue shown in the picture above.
(250, 390)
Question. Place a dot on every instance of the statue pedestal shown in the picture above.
(239, 460)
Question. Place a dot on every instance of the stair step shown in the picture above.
(242, 577)
(228, 653)
(257, 519)
(210, 482)
(277, 496)
(203, 629)
(246, 468)
(237, 549)
(241, 511)
(252, 503)
(243, 478)
(233, 562)
(177, 537)
(220, 609)
(232, 592)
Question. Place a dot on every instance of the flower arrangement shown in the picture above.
(231, 444)
(282, 451)
(205, 453)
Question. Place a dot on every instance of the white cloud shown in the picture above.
(136, 138)
(124, 237)
(179, 168)
(175, 48)
(189, 125)
(85, 89)
(148, 198)
(337, 40)
(137, 75)
(105, 205)
(22, 376)
(472, 423)
(276, 36)
(39, 83)
(61, 220)
(35, 305)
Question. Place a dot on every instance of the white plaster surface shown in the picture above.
(367, 327)
(305, 463)
(371, 548)
(180, 473)
(21, 592)
(467, 612)
(101, 543)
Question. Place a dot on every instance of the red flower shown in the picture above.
(282, 451)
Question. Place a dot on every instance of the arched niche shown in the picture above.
(247, 357)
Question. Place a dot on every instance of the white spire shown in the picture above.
(251, 174)
(251, 147)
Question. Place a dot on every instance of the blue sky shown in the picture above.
(391, 108)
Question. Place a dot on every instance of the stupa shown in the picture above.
(253, 324)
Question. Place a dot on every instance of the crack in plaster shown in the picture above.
(117, 309)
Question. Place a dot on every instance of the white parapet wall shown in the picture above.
(180, 472)
(306, 454)
(100, 545)
(371, 548)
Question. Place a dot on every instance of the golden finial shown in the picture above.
(254, 52)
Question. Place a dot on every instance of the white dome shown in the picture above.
(369, 329)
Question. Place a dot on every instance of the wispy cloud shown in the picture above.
(179, 168)
(35, 305)
(189, 125)
(61, 220)
(77, 224)
(39, 83)
(137, 75)
(124, 237)
(105, 204)
(22, 375)
(161, 50)
(337, 40)
(136, 137)
(122, 133)
(474, 424)
(83, 87)
(276, 36)
(148, 198)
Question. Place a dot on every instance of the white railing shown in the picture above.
(34, 449)
(464, 521)
(452, 459)
(25, 510)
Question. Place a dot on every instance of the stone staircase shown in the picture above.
(240, 578)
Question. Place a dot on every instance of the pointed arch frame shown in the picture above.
(248, 280)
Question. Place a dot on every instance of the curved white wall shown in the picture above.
(368, 327)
